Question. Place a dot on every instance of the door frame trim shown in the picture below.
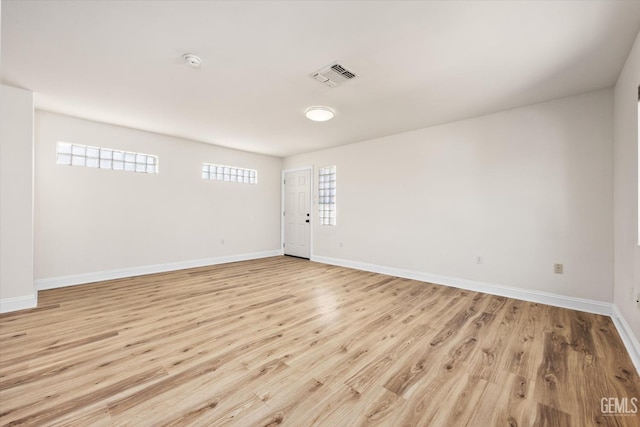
(311, 205)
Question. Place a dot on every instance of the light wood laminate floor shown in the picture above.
(287, 341)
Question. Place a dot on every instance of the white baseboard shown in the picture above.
(18, 303)
(628, 337)
(590, 306)
(78, 279)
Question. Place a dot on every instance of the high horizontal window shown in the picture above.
(327, 195)
(105, 158)
(229, 173)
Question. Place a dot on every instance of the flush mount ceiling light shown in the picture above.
(319, 114)
(192, 60)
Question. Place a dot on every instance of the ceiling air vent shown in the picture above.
(333, 75)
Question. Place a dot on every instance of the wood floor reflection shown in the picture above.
(292, 342)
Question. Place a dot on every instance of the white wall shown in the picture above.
(627, 251)
(523, 189)
(16, 199)
(89, 221)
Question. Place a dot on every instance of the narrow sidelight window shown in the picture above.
(327, 195)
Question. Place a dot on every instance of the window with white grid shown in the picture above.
(327, 195)
(69, 154)
(229, 173)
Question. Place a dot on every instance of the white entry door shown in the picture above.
(297, 213)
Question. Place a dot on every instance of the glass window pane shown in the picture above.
(230, 173)
(64, 159)
(93, 152)
(78, 150)
(64, 148)
(78, 161)
(106, 153)
(327, 195)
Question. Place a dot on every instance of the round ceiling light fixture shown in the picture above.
(192, 60)
(319, 113)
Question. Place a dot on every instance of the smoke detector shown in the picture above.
(333, 75)
(192, 60)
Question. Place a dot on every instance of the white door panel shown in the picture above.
(297, 214)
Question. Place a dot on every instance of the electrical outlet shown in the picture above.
(638, 300)
(478, 259)
(558, 268)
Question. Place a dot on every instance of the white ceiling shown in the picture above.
(419, 63)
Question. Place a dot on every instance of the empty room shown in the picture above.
(319, 213)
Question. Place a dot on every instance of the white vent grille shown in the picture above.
(333, 75)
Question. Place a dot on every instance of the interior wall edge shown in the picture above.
(627, 336)
(80, 279)
(8, 305)
(574, 303)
